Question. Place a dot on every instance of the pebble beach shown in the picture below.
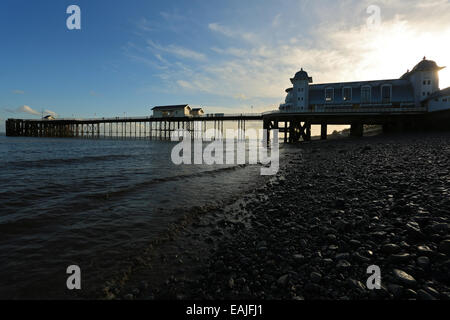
(335, 208)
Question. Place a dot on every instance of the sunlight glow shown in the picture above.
(398, 47)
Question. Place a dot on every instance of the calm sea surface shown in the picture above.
(93, 203)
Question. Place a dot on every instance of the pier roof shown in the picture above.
(179, 106)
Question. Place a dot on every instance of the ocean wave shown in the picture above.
(41, 163)
(144, 184)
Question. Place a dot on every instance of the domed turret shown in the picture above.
(423, 66)
(297, 98)
(301, 75)
(424, 78)
(427, 65)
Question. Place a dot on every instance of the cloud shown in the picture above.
(145, 25)
(18, 92)
(338, 46)
(52, 113)
(230, 51)
(430, 4)
(172, 16)
(232, 33)
(27, 109)
(241, 96)
(184, 84)
(174, 50)
(23, 109)
(276, 20)
(221, 29)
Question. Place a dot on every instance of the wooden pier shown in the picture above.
(124, 128)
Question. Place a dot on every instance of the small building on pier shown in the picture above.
(197, 112)
(418, 88)
(182, 110)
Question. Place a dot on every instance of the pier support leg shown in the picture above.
(266, 137)
(285, 132)
(356, 129)
(323, 131)
(308, 132)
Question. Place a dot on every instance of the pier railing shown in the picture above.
(339, 109)
(204, 117)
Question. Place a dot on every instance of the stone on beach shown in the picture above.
(404, 277)
(390, 248)
(444, 246)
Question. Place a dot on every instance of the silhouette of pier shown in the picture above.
(294, 126)
(124, 128)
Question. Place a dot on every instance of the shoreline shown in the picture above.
(311, 232)
(180, 249)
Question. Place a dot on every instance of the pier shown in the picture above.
(297, 126)
(125, 128)
(294, 127)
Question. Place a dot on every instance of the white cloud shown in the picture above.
(18, 92)
(52, 113)
(175, 50)
(27, 109)
(276, 20)
(232, 33)
(221, 29)
(184, 84)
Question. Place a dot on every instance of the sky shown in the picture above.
(226, 56)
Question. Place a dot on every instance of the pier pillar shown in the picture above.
(323, 131)
(357, 129)
(9, 130)
(308, 132)
(266, 137)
